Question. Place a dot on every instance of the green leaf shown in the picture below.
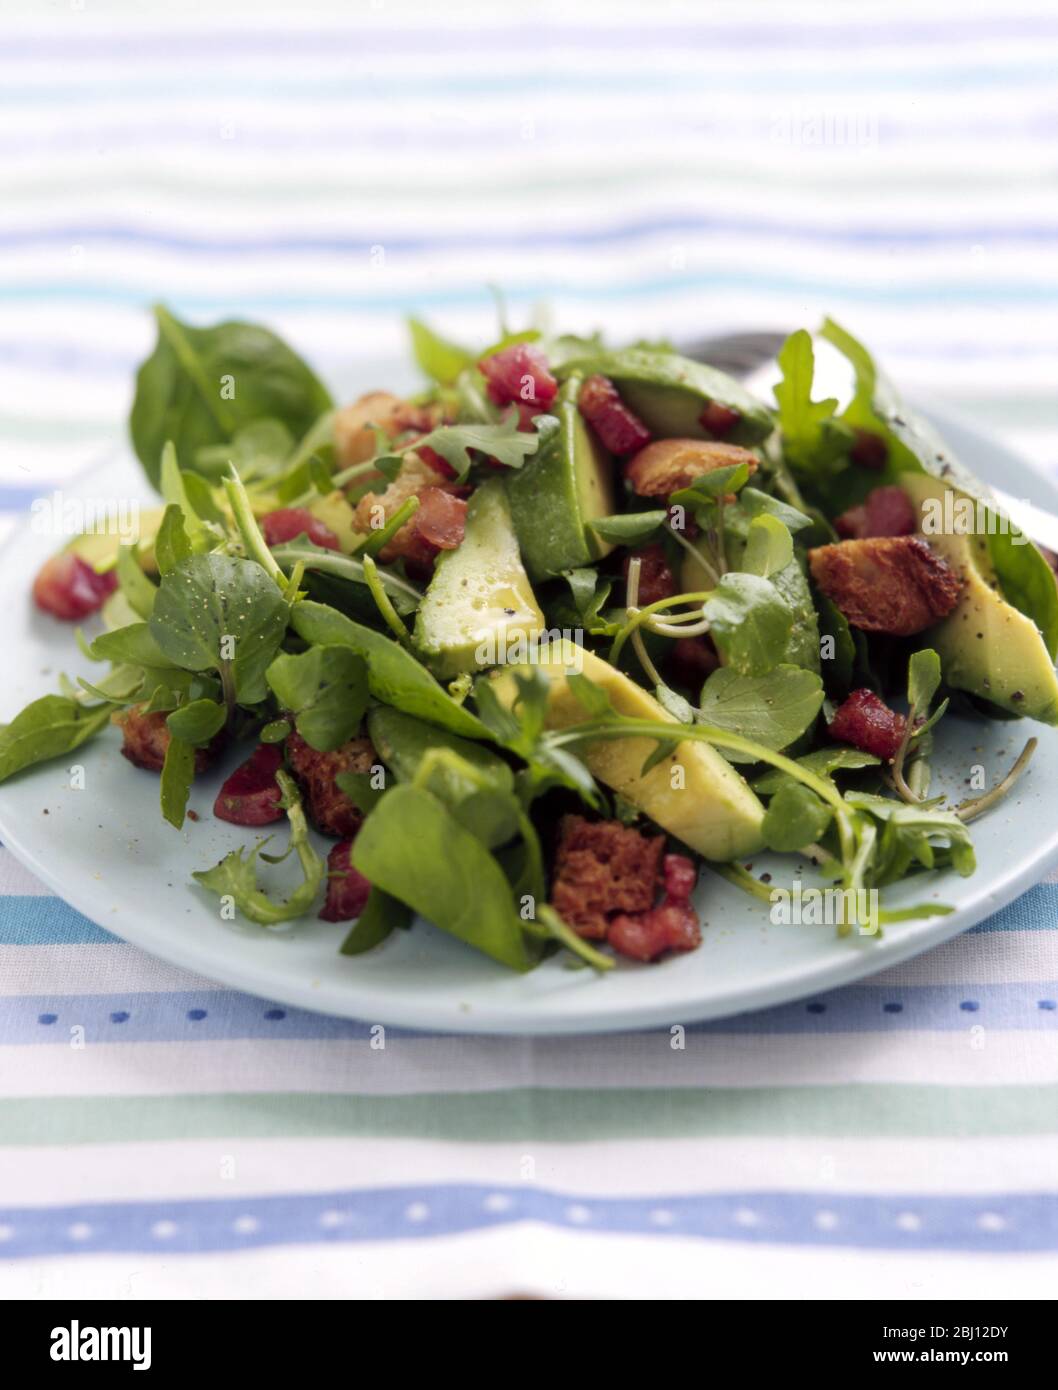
(171, 544)
(172, 485)
(258, 450)
(404, 743)
(630, 528)
(750, 622)
(326, 689)
(200, 386)
(394, 676)
(214, 612)
(404, 596)
(178, 772)
(795, 817)
(923, 680)
(437, 357)
(382, 915)
(756, 503)
(137, 588)
(411, 847)
(772, 709)
(198, 721)
(814, 442)
(48, 728)
(236, 874)
(914, 837)
(822, 762)
(708, 487)
(840, 662)
(133, 644)
(360, 791)
(505, 442)
(769, 546)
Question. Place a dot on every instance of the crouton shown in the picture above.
(327, 806)
(892, 584)
(602, 868)
(145, 739)
(670, 464)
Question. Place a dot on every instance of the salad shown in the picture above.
(539, 645)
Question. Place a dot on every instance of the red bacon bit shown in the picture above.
(719, 419)
(671, 927)
(868, 723)
(617, 427)
(145, 739)
(888, 511)
(441, 519)
(437, 461)
(679, 875)
(251, 795)
(68, 587)
(869, 450)
(519, 374)
(326, 805)
(655, 577)
(347, 888)
(288, 523)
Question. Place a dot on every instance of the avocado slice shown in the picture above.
(669, 392)
(333, 510)
(560, 491)
(986, 646)
(479, 601)
(714, 811)
(100, 550)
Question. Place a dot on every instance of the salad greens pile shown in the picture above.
(674, 668)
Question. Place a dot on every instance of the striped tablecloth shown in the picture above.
(652, 169)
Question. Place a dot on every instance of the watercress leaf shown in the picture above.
(216, 612)
(119, 687)
(923, 680)
(236, 874)
(198, 721)
(394, 676)
(837, 649)
(769, 546)
(750, 622)
(200, 496)
(172, 485)
(756, 503)
(178, 772)
(436, 357)
(134, 644)
(708, 487)
(326, 690)
(582, 586)
(134, 584)
(822, 762)
(414, 849)
(382, 914)
(359, 789)
(403, 743)
(201, 385)
(795, 817)
(630, 528)
(171, 544)
(48, 728)
(773, 709)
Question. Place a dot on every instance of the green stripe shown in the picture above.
(544, 1115)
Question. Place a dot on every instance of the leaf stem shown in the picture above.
(977, 806)
(249, 531)
(384, 534)
(385, 607)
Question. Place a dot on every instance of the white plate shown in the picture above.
(107, 851)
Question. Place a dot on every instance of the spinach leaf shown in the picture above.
(413, 849)
(133, 644)
(795, 817)
(178, 772)
(171, 544)
(394, 676)
(772, 709)
(326, 690)
(381, 915)
(137, 588)
(403, 743)
(236, 874)
(217, 613)
(198, 721)
(201, 385)
(257, 450)
(47, 728)
(630, 528)
(437, 357)
(750, 622)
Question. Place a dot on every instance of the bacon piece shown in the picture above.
(441, 519)
(671, 927)
(655, 577)
(354, 437)
(287, 523)
(251, 795)
(327, 806)
(145, 739)
(869, 450)
(670, 464)
(868, 723)
(602, 867)
(719, 419)
(691, 661)
(519, 374)
(887, 511)
(415, 476)
(347, 888)
(618, 428)
(893, 584)
(68, 587)
(679, 875)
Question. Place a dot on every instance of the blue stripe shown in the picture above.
(826, 290)
(1019, 1222)
(540, 238)
(47, 921)
(216, 1015)
(546, 36)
